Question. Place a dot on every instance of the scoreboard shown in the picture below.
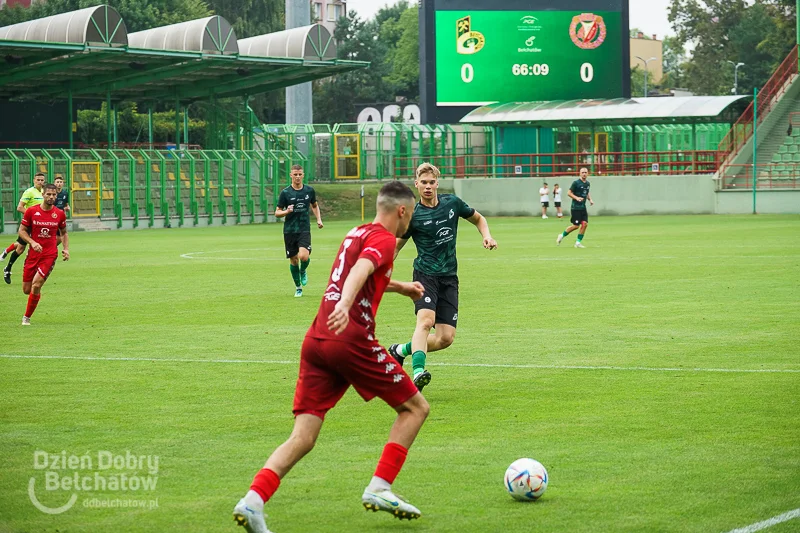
(476, 52)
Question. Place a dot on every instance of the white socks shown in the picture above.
(253, 500)
(378, 484)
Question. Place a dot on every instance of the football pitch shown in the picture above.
(655, 374)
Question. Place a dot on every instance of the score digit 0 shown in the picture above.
(587, 72)
(467, 73)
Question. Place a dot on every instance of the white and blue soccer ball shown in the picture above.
(526, 480)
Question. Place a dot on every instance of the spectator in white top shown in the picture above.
(545, 199)
(557, 199)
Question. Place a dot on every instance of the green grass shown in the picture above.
(629, 448)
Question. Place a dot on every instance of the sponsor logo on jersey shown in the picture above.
(451, 214)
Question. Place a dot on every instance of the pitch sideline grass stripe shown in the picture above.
(455, 365)
(775, 520)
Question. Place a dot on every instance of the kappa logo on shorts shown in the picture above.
(390, 367)
(427, 299)
(381, 357)
(398, 378)
(455, 316)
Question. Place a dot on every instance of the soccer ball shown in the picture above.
(526, 480)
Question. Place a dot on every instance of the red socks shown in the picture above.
(391, 462)
(33, 301)
(11, 248)
(265, 484)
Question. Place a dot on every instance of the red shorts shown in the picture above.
(329, 367)
(38, 263)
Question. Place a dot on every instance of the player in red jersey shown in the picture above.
(340, 350)
(40, 227)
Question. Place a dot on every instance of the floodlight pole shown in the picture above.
(646, 62)
(735, 75)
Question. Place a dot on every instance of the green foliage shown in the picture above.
(133, 126)
(138, 14)
(759, 34)
(390, 42)
(637, 81)
(674, 59)
(403, 58)
(334, 99)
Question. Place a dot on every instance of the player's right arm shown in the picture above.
(340, 317)
(24, 230)
(281, 210)
(574, 196)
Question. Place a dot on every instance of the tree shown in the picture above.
(138, 14)
(757, 34)
(403, 58)
(335, 98)
(637, 82)
(674, 59)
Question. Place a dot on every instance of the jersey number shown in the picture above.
(337, 272)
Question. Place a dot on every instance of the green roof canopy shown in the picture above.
(89, 54)
(654, 110)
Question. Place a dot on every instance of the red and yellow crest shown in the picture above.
(588, 31)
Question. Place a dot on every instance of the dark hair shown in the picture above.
(297, 167)
(39, 174)
(49, 186)
(393, 194)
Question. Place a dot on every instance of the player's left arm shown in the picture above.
(483, 227)
(315, 210)
(64, 243)
(340, 317)
(589, 197)
(412, 289)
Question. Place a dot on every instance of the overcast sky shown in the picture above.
(650, 16)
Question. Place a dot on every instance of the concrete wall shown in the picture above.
(767, 202)
(622, 195)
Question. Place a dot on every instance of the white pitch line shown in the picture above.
(455, 365)
(775, 520)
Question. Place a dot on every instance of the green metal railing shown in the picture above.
(180, 186)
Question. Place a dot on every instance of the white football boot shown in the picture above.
(250, 518)
(386, 500)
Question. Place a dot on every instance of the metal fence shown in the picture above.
(141, 185)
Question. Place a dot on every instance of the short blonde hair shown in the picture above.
(427, 168)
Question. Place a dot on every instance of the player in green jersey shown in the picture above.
(294, 204)
(579, 215)
(31, 197)
(433, 227)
